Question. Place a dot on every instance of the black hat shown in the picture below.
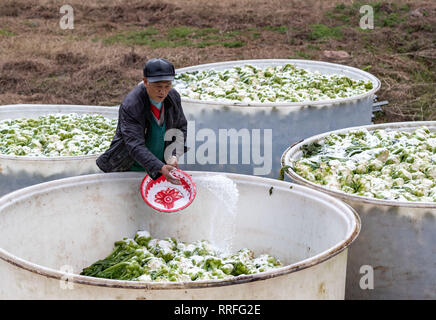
(158, 69)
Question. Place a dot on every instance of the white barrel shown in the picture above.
(51, 231)
(278, 124)
(21, 171)
(397, 242)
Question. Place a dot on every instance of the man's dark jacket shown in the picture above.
(134, 119)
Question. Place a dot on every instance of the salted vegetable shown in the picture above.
(56, 135)
(144, 258)
(382, 164)
(283, 83)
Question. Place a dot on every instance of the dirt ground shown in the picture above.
(101, 59)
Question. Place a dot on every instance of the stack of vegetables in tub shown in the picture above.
(167, 260)
(383, 164)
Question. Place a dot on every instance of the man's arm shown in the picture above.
(134, 137)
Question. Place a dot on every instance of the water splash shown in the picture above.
(222, 225)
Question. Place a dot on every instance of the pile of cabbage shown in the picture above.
(146, 259)
(285, 83)
(391, 165)
(56, 135)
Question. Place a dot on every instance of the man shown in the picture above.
(150, 113)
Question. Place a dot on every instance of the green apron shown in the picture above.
(154, 141)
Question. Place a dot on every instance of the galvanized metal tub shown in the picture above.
(51, 231)
(278, 124)
(21, 171)
(397, 241)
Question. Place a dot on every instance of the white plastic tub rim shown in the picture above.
(45, 109)
(351, 72)
(294, 153)
(349, 215)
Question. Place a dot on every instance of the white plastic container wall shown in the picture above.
(395, 253)
(51, 231)
(266, 129)
(21, 171)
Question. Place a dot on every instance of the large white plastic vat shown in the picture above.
(397, 242)
(21, 171)
(287, 122)
(50, 231)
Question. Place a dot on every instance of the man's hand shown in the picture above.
(165, 170)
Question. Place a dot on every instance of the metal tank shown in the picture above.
(395, 255)
(51, 231)
(267, 128)
(21, 171)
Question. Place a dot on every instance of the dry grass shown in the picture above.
(41, 63)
